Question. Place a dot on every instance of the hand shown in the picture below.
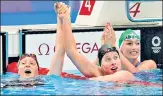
(108, 35)
(62, 10)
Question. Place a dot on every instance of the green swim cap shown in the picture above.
(127, 35)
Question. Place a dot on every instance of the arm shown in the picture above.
(58, 57)
(81, 62)
(120, 76)
(147, 65)
(126, 64)
(126, 77)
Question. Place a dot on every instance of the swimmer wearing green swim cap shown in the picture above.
(129, 44)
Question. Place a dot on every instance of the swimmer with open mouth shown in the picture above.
(109, 59)
(28, 66)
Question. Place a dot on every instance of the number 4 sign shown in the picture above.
(137, 5)
(87, 7)
(125, 12)
(144, 11)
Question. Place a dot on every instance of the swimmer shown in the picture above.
(28, 66)
(129, 44)
(108, 56)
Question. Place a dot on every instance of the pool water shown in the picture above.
(55, 85)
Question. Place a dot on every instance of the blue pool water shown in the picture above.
(55, 85)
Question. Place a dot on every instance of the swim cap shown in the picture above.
(127, 35)
(105, 49)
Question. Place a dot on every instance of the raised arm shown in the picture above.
(81, 62)
(58, 57)
(126, 64)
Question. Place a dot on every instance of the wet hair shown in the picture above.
(29, 55)
(105, 49)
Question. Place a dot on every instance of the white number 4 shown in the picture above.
(87, 4)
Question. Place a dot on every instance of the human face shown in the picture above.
(27, 67)
(111, 63)
(131, 48)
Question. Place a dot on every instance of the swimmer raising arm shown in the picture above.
(58, 58)
(82, 63)
(28, 66)
(129, 44)
(108, 56)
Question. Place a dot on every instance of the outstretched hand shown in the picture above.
(108, 35)
(62, 10)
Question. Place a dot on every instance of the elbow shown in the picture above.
(128, 76)
(70, 52)
(131, 76)
(88, 75)
(152, 64)
(91, 73)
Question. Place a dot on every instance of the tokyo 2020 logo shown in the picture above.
(156, 42)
